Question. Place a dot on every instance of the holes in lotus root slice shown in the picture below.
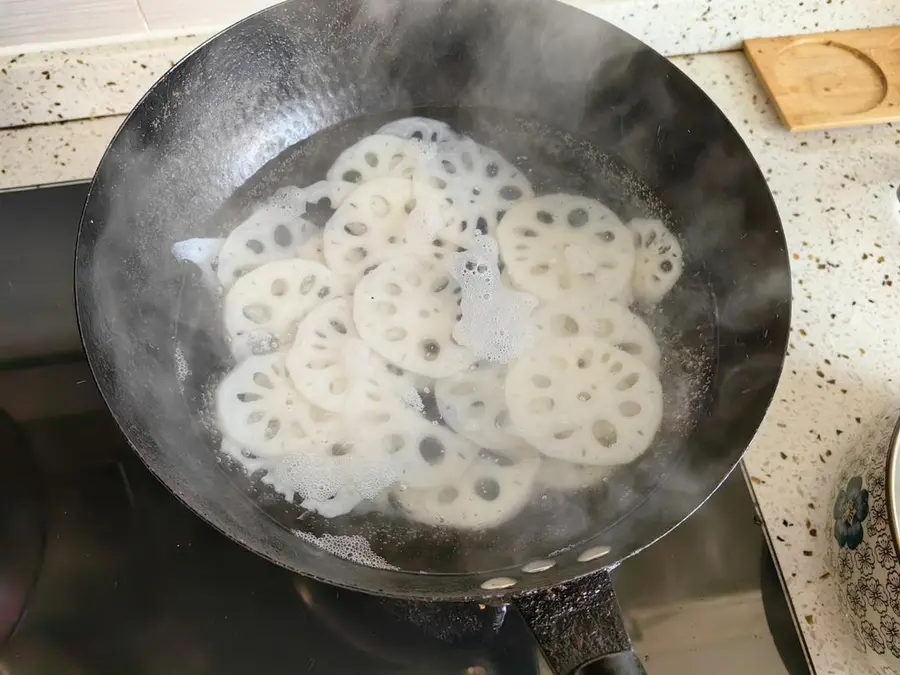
(561, 244)
(328, 462)
(426, 454)
(419, 129)
(264, 308)
(473, 403)
(257, 407)
(606, 404)
(434, 455)
(369, 228)
(352, 456)
(328, 360)
(582, 315)
(479, 184)
(555, 474)
(658, 262)
(276, 229)
(405, 310)
(495, 488)
(374, 157)
(323, 199)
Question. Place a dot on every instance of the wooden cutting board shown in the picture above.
(830, 80)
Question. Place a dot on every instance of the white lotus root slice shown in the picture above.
(275, 230)
(313, 248)
(507, 281)
(495, 488)
(300, 448)
(373, 157)
(555, 474)
(658, 263)
(262, 310)
(425, 453)
(582, 315)
(369, 228)
(582, 400)
(323, 199)
(419, 129)
(473, 403)
(257, 407)
(406, 310)
(331, 479)
(478, 182)
(328, 359)
(559, 244)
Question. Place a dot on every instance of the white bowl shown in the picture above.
(862, 546)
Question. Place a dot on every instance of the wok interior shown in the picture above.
(228, 128)
(554, 162)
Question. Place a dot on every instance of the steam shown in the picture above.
(254, 93)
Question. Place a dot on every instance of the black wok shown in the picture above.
(583, 107)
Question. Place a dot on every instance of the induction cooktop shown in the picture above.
(103, 571)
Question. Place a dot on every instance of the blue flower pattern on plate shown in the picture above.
(851, 508)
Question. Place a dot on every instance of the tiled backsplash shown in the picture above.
(24, 22)
(28, 21)
(167, 15)
(671, 26)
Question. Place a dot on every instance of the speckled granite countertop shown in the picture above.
(836, 194)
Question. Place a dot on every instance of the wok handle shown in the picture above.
(579, 628)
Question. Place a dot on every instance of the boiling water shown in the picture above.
(553, 519)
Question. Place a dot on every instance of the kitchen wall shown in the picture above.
(672, 26)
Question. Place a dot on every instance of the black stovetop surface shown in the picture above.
(132, 582)
(128, 581)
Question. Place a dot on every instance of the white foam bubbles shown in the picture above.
(332, 485)
(203, 253)
(354, 548)
(327, 483)
(182, 369)
(495, 322)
